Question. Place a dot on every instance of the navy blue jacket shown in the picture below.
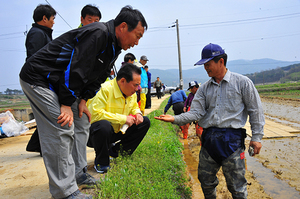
(37, 37)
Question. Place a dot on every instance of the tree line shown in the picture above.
(280, 74)
(13, 92)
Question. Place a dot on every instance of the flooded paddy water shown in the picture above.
(277, 167)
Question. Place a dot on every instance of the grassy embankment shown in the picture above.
(13, 102)
(285, 90)
(155, 170)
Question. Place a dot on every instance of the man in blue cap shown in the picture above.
(221, 106)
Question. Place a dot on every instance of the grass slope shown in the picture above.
(155, 170)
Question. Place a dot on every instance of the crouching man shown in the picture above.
(114, 106)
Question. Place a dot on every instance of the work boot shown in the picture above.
(185, 135)
(185, 131)
(199, 131)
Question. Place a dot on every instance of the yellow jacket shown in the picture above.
(110, 104)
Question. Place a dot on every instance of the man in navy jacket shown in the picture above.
(59, 79)
(38, 36)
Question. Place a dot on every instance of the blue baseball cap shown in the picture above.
(209, 52)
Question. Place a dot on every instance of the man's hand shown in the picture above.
(66, 116)
(138, 119)
(257, 146)
(83, 109)
(130, 120)
(184, 109)
(165, 118)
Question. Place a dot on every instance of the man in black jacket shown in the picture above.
(38, 36)
(89, 14)
(60, 78)
(41, 32)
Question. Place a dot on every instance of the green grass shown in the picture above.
(277, 85)
(288, 94)
(285, 90)
(155, 170)
(13, 102)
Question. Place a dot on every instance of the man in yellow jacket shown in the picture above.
(116, 117)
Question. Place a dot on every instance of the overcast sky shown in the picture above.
(249, 30)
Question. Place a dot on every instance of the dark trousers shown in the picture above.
(34, 142)
(158, 93)
(148, 99)
(102, 135)
(223, 147)
(178, 108)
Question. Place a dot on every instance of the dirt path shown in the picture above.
(23, 174)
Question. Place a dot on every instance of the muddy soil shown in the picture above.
(255, 190)
(282, 155)
(286, 110)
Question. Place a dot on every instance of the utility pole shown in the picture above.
(179, 57)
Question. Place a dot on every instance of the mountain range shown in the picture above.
(170, 77)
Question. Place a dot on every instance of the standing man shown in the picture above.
(89, 14)
(128, 58)
(164, 87)
(59, 79)
(221, 106)
(148, 96)
(38, 36)
(144, 82)
(177, 100)
(157, 85)
(41, 32)
(114, 107)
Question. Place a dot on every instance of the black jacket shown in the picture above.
(76, 63)
(37, 37)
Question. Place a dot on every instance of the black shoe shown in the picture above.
(78, 195)
(101, 169)
(38, 151)
(111, 151)
(86, 180)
